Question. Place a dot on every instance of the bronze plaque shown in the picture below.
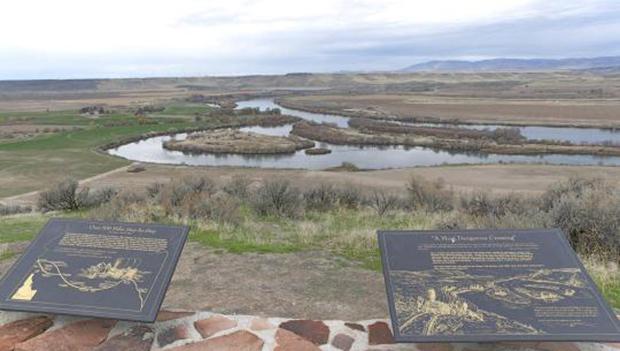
(491, 285)
(95, 269)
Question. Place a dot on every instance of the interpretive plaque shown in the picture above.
(491, 285)
(95, 269)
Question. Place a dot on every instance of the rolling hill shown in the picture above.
(510, 64)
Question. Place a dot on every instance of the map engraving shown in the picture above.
(490, 285)
(96, 269)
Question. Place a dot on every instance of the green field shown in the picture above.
(183, 109)
(31, 164)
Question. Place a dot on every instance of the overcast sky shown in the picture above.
(141, 38)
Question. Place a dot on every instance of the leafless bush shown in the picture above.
(93, 198)
(432, 196)
(349, 197)
(383, 202)
(222, 208)
(478, 204)
(122, 207)
(591, 219)
(508, 135)
(6, 210)
(62, 196)
(153, 190)
(574, 187)
(182, 197)
(277, 198)
(198, 184)
(450, 221)
(239, 187)
(65, 196)
(482, 204)
(320, 198)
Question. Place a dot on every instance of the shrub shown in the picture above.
(320, 198)
(590, 219)
(278, 198)
(349, 167)
(65, 196)
(478, 204)
(574, 187)
(533, 218)
(432, 196)
(239, 187)
(482, 204)
(153, 190)
(183, 196)
(349, 197)
(6, 210)
(512, 204)
(450, 221)
(508, 135)
(198, 184)
(221, 208)
(97, 197)
(124, 206)
(383, 202)
(61, 196)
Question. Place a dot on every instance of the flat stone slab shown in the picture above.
(213, 325)
(18, 331)
(77, 336)
(237, 341)
(138, 338)
(314, 331)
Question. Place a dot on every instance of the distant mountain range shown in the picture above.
(509, 64)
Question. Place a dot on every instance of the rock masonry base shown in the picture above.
(205, 331)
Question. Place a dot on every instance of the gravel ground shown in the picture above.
(311, 285)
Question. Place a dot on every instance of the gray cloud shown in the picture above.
(554, 30)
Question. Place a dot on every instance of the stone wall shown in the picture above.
(205, 331)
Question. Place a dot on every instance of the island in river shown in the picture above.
(234, 141)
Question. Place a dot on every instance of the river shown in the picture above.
(367, 157)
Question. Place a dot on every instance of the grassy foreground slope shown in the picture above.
(277, 217)
(333, 231)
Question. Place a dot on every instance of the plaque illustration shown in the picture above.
(92, 279)
(491, 285)
(444, 301)
(95, 269)
(25, 292)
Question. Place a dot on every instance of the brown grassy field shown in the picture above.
(536, 93)
(599, 113)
